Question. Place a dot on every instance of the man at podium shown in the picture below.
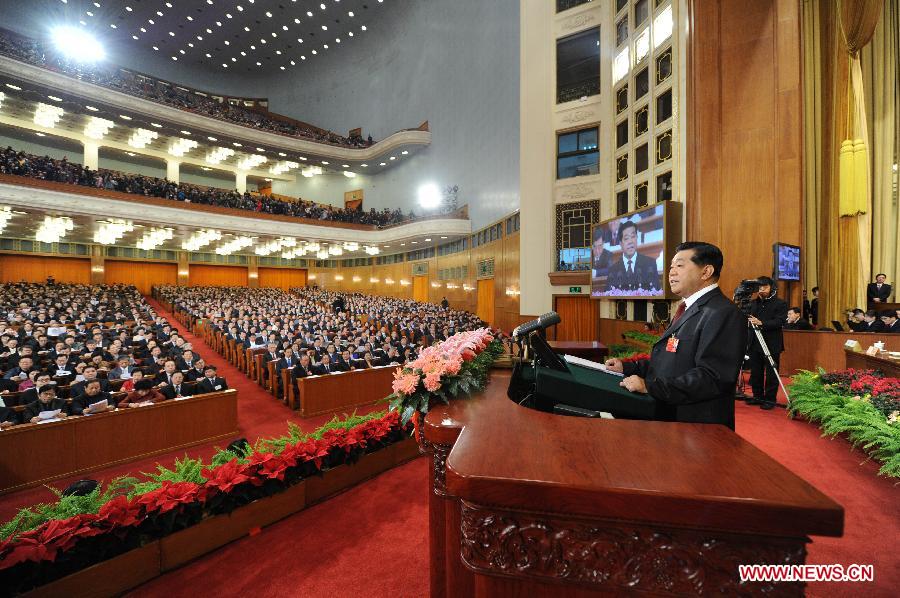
(694, 366)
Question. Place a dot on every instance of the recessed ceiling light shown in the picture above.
(258, 63)
(259, 149)
(113, 25)
(172, 33)
(199, 38)
(134, 37)
(205, 168)
(281, 67)
(364, 165)
(183, 132)
(228, 15)
(233, 59)
(393, 158)
(89, 13)
(293, 63)
(363, 27)
(190, 18)
(208, 55)
(303, 58)
(415, 242)
(211, 138)
(278, 52)
(427, 240)
(345, 166)
(350, 13)
(322, 6)
(128, 8)
(39, 134)
(225, 65)
(123, 117)
(274, 34)
(285, 27)
(324, 162)
(151, 21)
(132, 154)
(325, 46)
(252, 47)
(404, 152)
(190, 44)
(208, 30)
(383, 164)
(219, 23)
(282, 154)
(91, 108)
(297, 21)
(350, 33)
(227, 43)
(443, 237)
(268, 14)
(324, 27)
(246, 28)
(175, 58)
(55, 99)
(243, 53)
(159, 13)
(314, 52)
(309, 13)
(157, 125)
(143, 30)
(236, 144)
(181, 51)
(337, 40)
(240, 8)
(156, 48)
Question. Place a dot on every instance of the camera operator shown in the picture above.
(769, 313)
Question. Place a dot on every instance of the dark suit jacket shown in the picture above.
(78, 388)
(645, 274)
(282, 363)
(873, 292)
(300, 372)
(800, 324)
(698, 379)
(205, 385)
(32, 409)
(320, 369)
(876, 326)
(79, 404)
(773, 313)
(895, 327)
(8, 415)
(169, 391)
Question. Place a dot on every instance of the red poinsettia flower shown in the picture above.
(169, 496)
(272, 468)
(225, 477)
(120, 512)
(48, 540)
(468, 355)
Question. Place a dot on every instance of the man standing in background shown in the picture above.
(769, 314)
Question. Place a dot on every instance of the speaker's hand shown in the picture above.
(634, 384)
(614, 365)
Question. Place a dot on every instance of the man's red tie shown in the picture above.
(678, 313)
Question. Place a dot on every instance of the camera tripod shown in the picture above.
(739, 391)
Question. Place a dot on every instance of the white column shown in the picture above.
(240, 181)
(91, 155)
(172, 170)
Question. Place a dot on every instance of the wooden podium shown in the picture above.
(524, 503)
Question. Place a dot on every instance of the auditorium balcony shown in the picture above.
(32, 73)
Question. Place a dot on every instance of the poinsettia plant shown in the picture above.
(455, 367)
(36, 548)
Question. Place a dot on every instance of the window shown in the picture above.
(621, 99)
(640, 196)
(641, 84)
(622, 133)
(562, 5)
(664, 187)
(641, 158)
(577, 154)
(621, 65)
(663, 147)
(573, 234)
(578, 65)
(664, 66)
(622, 202)
(620, 4)
(621, 168)
(662, 26)
(663, 106)
(641, 119)
(621, 31)
(641, 11)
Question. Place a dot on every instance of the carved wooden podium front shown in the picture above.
(524, 503)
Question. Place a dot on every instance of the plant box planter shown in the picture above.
(126, 571)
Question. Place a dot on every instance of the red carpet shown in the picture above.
(260, 415)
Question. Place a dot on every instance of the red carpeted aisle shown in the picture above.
(260, 415)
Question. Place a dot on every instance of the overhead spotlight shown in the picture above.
(78, 45)
(429, 196)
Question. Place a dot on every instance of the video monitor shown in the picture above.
(630, 253)
(787, 261)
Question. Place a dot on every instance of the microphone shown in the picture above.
(544, 321)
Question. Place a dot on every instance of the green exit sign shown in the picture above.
(574, 289)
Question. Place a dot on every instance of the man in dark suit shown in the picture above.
(878, 291)
(210, 382)
(177, 388)
(769, 313)
(871, 322)
(795, 320)
(47, 401)
(633, 270)
(91, 394)
(303, 367)
(890, 321)
(325, 366)
(694, 366)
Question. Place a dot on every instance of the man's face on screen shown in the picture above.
(629, 241)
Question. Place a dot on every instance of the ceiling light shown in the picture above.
(429, 195)
(281, 67)
(97, 128)
(235, 245)
(55, 99)
(443, 237)
(123, 117)
(303, 58)
(110, 232)
(77, 45)
(159, 13)
(309, 13)
(172, 33)
(281, 167)
(393, 158)
(350, 14)
(208, 55)
(15, 87)
(182, 146)
(284, 27)
(53, 229)
(325, 163)
(350, 33)
(201, 239)
(236, 144)
(157, 125)
(205, 168)
(154, 238)
(363, 27)
(297, 21)
(141, 137)
(39, 134)
(217, 155)
(156, 48)
(324, 27)
(228, 15)
(211, 138)
(427, 240)
(246, 28)
(113, 25)
(383, 164)
(47, 115)
(89, 13)
(251, 162)
(128, 8)
(183, 132)
(175, 58)
(364, 165)
(415, 242)
(151, 21)
(132, 154)
(349, 175)
(314, 52)
(404, 152)
(190, 18)
(240, 8)
(268, 14)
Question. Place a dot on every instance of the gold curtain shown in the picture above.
(881, 76)
(858, 21)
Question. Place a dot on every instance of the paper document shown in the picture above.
(99, 405)
(594, 365)
(49, 414)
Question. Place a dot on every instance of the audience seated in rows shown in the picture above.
(63, 171)
(36, 53)
(106, 345)
(317, 332)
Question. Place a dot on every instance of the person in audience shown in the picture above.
(890, 321)
(286, 361)
(368, 361)
(871, 322)
(89, 374)
(177, 389)
(186, 361)
(143, 393)
(47, 401)
(122, 371)
(93, 394)
(136, 376)
(19, 373)
(795, 320)
(8, 417)
(325, 366)
(304, 368)
(856, 319)
(165, 376)
(814, 307)
(878, 291)
(196, 372)
(211, 382)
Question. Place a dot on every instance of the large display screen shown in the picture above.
(630, 253)
(787, 261)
